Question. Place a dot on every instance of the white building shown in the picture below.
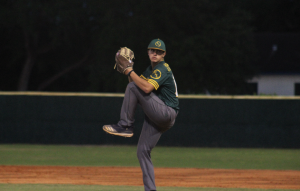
(279, 64)
(277, 84)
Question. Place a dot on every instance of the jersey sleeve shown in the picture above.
(142, 76)
(158, 77)
(145, 74)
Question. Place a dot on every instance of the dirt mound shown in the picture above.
(180, 177)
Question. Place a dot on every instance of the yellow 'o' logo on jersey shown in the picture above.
(156, 74)
(158, 44)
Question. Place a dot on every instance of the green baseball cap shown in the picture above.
(157, 44)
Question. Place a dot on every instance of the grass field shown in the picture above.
(71, 155)
(277, 159)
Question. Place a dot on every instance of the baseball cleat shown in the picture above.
(118, 130)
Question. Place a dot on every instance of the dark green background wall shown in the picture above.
(202, 122)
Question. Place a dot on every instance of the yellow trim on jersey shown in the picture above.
(167, 66)
(154, 83)
(143, 77)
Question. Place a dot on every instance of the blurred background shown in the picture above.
(236, 47)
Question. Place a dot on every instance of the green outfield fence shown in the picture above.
(203, 121)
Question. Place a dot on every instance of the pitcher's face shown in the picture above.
(156, 55)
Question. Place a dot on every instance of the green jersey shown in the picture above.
(161, 77)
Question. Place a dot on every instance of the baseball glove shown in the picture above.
(124, 59)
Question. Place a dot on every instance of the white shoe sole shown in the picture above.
(108, 130)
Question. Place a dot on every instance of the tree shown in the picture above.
(209, 43)
(273, 15)
(43, 32)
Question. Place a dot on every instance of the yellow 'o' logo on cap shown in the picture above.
(158, 44)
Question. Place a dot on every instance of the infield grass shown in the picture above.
(217, 158)
(72, 155)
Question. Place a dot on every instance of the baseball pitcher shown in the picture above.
(156, 91)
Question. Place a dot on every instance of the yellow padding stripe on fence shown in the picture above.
(236, 97)
(181, 96)
(63, 94)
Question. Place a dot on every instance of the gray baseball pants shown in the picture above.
(158, 118)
